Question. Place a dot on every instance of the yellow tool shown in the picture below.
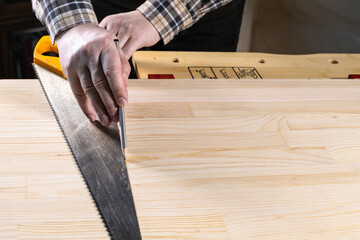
(51, 63)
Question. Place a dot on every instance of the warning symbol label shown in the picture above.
(224, 72)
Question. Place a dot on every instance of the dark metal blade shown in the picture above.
(99, 157)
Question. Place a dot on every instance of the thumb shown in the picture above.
(130, 47)
(125, 66)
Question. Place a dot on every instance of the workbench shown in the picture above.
(42, 194)
(207, 159)
(213, 65)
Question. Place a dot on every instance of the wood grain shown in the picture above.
(207, 159)
(42, 194)
(316, 66)
(249, 159)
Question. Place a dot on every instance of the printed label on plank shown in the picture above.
(224, 72)
(247, 73)
(202, 72)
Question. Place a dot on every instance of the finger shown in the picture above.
(130, 47)
(103, 23)
(112, 28)
(92, 94)
(123, 38)
(111, 65)
(125, 67)
(102, 87)
(81, 98)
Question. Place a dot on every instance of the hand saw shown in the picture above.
(96, 149)
(52, 63)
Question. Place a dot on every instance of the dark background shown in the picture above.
(19, 32)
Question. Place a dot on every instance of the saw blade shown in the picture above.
(98, 155)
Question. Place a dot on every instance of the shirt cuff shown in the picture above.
(168, 17)
(65, 18)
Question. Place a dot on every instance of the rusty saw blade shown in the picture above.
(98, 155)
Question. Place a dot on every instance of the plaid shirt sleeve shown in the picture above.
(169, 17)
(59, 15)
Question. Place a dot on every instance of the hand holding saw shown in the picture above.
(52, 63)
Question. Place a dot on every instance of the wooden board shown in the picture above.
(42, 194)
(249, 159)
(207, 159)
(245, 65)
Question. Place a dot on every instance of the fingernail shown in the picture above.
(104, 120)
(122, 102)
(92, 118)
(125, 76)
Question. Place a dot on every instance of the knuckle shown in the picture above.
(110, 70)
(105, 40)
(135, 35)
(92, 61)
(115, 21)
(69, 62)
(80, 96)
(87, 49)
(121, 29)
(91, 47)
(125, 65)
(99, 84)
(89, 89)
(107, 19)
(127, 69)
(129, 27)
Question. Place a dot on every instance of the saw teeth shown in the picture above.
(72, 153)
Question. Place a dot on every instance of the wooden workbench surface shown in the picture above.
(241, 65)
(42, 194)
(245, 159)
(207, 159)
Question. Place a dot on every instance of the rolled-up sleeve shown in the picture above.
(59, 15)
(170, 17)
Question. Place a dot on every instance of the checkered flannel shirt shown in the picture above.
(169, 17)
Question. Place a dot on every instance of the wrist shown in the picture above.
(76, 29)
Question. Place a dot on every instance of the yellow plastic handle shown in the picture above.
(50, 63)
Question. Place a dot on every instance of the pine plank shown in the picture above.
(207, 159)
(254, 159)
(42, 194)
(186, 64)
